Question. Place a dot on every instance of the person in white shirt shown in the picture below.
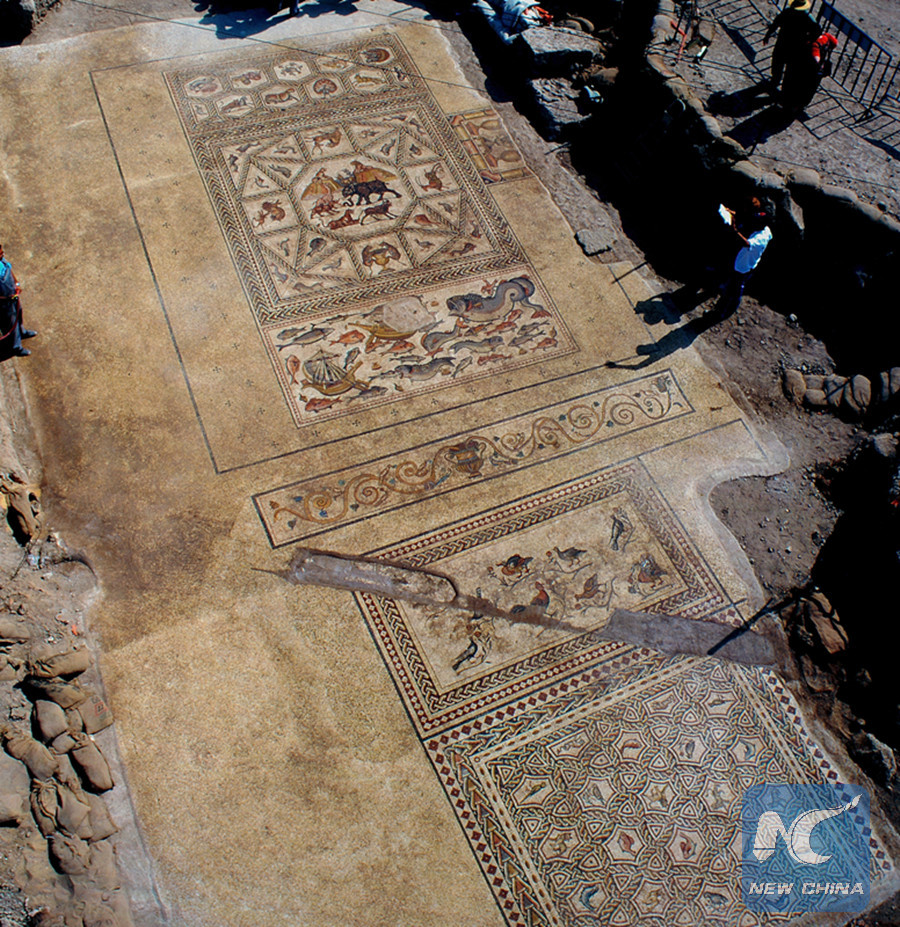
(752, 228)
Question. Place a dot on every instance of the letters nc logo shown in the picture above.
(797, 836)
(805, 848)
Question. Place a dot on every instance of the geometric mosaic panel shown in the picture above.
(375, 262)
(613, 797)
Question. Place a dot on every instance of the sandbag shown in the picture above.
(91, 762)
(103, 869)
(14, 629)
(14, 776)
(62, 744)
(70, 855)
(40, 761)
(12, 807)
(76, 722)
(95, 713)
(49, 719)
(73, 813)
(44, 805)
(65, 772)
(100, 915)
(46, 664)
(65, 694)
(102, 825)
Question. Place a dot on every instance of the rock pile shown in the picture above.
(851, 397)
(18, 17)
(52, 776)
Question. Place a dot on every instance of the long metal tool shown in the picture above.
(666, 633)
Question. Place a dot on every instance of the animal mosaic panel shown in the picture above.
(374, 260)
(415, 344)
(558, 563)
(489, 145)
(613, 796)
(311, 506)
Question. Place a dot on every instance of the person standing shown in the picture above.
(796, 31)
(802, 80)
(11, 330)
(751, 225)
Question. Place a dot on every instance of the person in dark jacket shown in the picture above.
(796, 32)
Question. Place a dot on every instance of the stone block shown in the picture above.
(771, 183)
(794, 384)
(829, 631)
(849, 405)
(550, 50)
(556, 100)
(805, 178)
(815, 398)
(889, 384)
(747, 171)
(834, 389)
(595, 240)
(862, 390)
(711, 124)
(841, 195)
(885, 445)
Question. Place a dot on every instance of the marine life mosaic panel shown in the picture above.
(375, 262)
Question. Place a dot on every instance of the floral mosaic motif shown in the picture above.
(614, 796)
(309, 506)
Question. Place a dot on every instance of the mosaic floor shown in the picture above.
(353, 318)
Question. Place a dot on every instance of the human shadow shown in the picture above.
(678, 338)
(232, 22)
(670, 307)
(660, 308)
(762, 126)
(741, 102)
(323, 7)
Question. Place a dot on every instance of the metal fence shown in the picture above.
(864, 69)
(859, 64)
(887, 95)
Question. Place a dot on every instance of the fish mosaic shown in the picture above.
(395, 349)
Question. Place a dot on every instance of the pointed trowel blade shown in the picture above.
(676, 635)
